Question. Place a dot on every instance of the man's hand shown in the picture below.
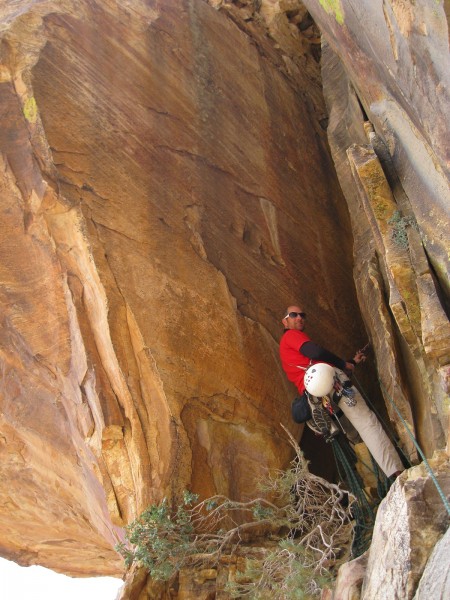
(348, 370)
(359, 357)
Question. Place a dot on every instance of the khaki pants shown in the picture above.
(371, 432)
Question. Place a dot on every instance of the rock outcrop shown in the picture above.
(411, 520)
(167, 190)
(435, 582)
(388, 141)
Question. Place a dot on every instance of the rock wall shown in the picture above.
(401, 562)
(386, 88)
(167, 191)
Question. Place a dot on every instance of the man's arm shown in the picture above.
(316, 352)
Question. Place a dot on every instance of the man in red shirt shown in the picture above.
(298, 352)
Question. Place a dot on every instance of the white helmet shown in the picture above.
(319, 379)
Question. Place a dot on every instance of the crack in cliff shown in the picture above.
(70, 152)
(152, 406)
(69, 227)
(197, 158)
(97, 224)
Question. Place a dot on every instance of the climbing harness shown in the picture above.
(344, 389)
(363, 510)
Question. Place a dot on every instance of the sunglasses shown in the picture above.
(294, 315)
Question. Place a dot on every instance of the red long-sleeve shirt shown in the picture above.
(293, 362)
(298, 352)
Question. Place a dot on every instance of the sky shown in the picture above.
(37, 583)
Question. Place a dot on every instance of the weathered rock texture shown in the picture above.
(167, 189)
(399, 69)
(350, 579)
(410, 521)
(386, 87)
(166, 192)
(435, 582)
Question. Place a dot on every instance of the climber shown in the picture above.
(297, 353)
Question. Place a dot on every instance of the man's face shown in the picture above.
(296, 321)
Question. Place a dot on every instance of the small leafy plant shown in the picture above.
(399, 228)
(160, 539)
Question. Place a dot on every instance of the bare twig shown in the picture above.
(305, 513)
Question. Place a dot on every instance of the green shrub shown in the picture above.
(399, 228)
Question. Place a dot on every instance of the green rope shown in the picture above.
(419, 450)
(361, 509)
(383, 482)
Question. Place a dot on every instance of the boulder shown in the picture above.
(410, 521)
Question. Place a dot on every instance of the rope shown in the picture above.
(383, 483)
(419, 450)
(361, 509)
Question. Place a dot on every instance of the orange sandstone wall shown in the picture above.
(166, 191)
